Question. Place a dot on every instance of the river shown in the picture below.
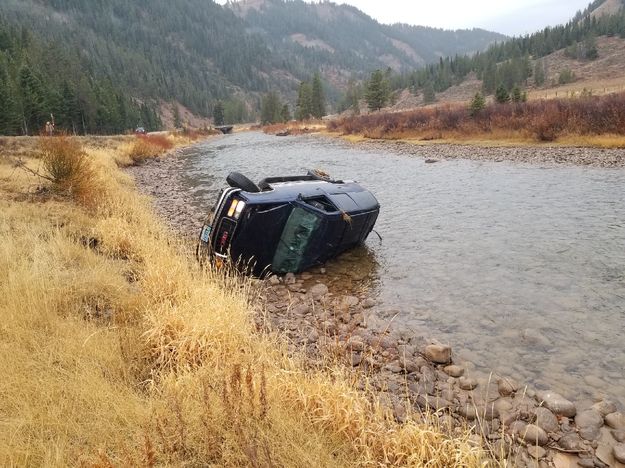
(521, 268)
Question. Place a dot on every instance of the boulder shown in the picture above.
(557, 404)
(439, 354)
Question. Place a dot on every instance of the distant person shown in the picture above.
(49, 128)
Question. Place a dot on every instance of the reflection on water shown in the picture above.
(520, 268)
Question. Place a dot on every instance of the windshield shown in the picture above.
(296, 235)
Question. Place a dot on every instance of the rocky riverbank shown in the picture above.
(539, 154)
(412, 375)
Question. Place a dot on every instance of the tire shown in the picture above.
(237, 180)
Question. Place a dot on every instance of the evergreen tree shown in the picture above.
(477, 105)
(429, 96)
(304, 107)
(34, 115)
(271, 109)
(516, 95)
(539, 73)
(501, 95)
(318, 105)
(377, 91)
(218, 113)
(285, 113)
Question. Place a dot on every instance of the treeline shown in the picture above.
(510, 63)
(42, 83)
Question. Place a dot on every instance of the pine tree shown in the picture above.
(539, 73)
(285, 113)
(516, 94)
(477, 105)
(502, 96)
(429, 96)
(377, 91)
(218, 113)
(304, 102)
(318, 106)
(271, 109)
(34, 113)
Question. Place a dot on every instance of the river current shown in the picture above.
(520, 268)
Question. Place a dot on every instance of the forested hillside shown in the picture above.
(509, 65)
(42, 82)
(198, 53)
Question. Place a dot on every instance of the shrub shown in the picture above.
(148, 146)
(67, 166)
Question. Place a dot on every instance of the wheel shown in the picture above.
(237, 180)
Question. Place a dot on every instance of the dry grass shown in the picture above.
(588, 119)
(119, 350)
(295, 128)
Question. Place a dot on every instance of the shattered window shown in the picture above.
(298, 230)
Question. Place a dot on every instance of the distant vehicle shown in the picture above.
(140, 131)
(286, 224)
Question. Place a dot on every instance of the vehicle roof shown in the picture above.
(347, 196)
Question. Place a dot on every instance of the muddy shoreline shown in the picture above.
(410, 373)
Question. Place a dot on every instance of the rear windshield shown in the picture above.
(298, 230)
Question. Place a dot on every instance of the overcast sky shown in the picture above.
(512, 17)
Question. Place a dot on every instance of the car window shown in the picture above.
(296, 235)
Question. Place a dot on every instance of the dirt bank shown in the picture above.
(412, 374)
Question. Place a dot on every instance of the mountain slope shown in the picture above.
(196, 51)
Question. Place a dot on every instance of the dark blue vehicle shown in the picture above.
(287, 224)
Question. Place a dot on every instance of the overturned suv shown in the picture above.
(286, 224)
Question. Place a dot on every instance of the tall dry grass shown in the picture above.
(543, 121)
(118, 349)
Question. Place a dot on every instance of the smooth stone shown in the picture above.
(301, 309)
(289, 278)
(516, 428)
(430, 402)
(409, 365)
(619, 436)
(468, 411)
(564, 460)
(503, 404)
(557, 403)
(546, 420)
(439, 354)
(349, 301)
(467, 383)
(454, 370)
(590, 432)
(534, 435)
(536, 452)
(571, 442)
(605, 407)
(507, 386)
(356, 343)
(619, 453)
(589, 418)
(313, 336)
(274, 280)
(615, 420)
(318, 291)
(368, 303)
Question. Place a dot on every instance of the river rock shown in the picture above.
(356, 359)
(274, 280)
(589, 422)
(534, 435)
(536, 451)
(571, 442)
(619, 453)
(605, 407)
(289, 278)
(300, 309)
(313, 336)
(615, 420)
(546, 420)
(557, 403)
(368, 303)
(619, 436)
(439, 354)
(454, 370)
(468, 411)
(507, 386)
(349, 301)
(430, 402)
(467, 383)
(356, 343)
(318, 291)
(408, 364)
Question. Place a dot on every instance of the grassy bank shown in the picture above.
(118, 349)
(594, 121)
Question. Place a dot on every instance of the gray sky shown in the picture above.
(512, 17)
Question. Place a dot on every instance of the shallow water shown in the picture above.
(520, 268)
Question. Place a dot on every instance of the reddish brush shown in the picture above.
(545, 120)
